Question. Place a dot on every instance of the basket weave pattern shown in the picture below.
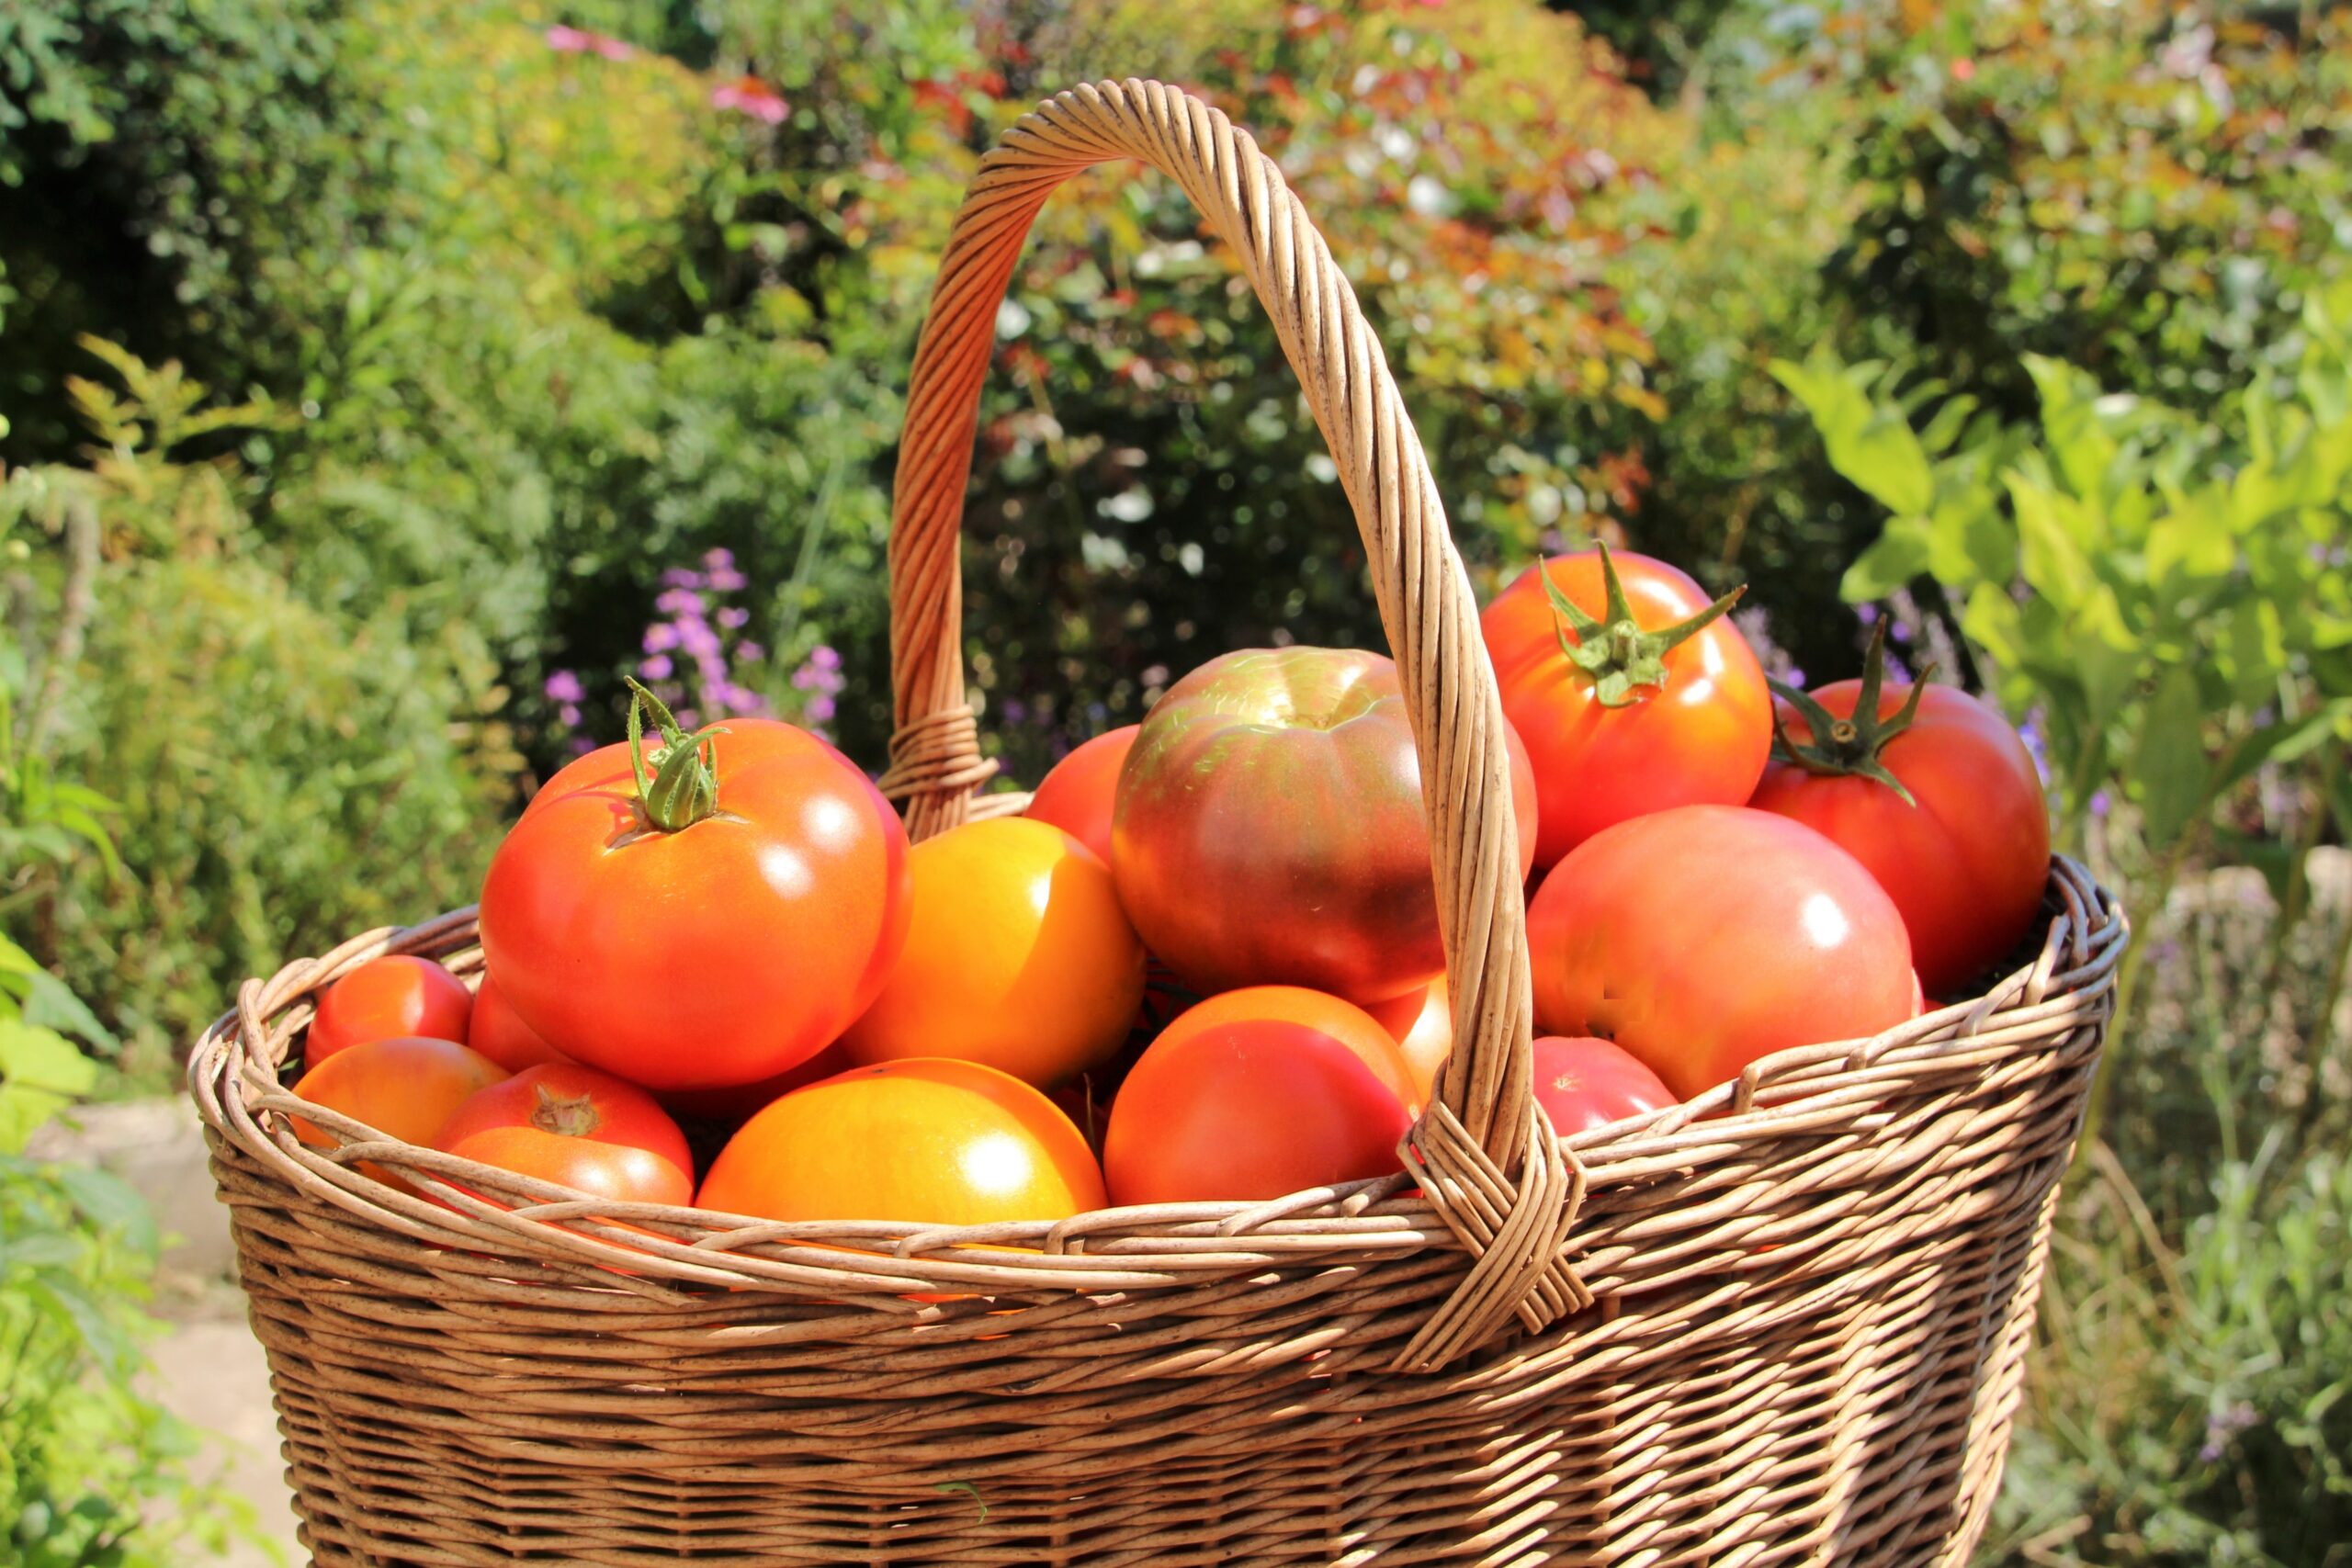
(1784, 1323)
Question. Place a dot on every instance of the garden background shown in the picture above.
(381, 384)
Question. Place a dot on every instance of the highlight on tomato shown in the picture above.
(710, 919)
(1632, 692)
(1270, 828)
(499, 1033)
(387, 999)
(1702, 938)
(1586, 1083)
(921, 1142)
(1421, 1022)
(1080, 793)
(406, 1088)
(1017, 956)
(1935, 793)
(577, 1127)
(1256, 1093)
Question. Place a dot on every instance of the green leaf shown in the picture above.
(41, 1074)
(2286, 740)
(2168, 768)
(1898, 556)
(2051, 555)
(2194, 540)
(1871, 444)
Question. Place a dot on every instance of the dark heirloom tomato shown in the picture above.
(1702, 938)
(1631, 692)
(1937, 796)
(697, 929)
(1077, 795)
(1270, 828)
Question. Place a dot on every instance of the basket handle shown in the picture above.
(1483, 1156)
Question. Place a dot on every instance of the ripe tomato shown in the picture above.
(1270, 828)
(499, 1034)
(1077, 795)
(700, 932)
(1702, 938)
(919, 1142)
(405, 1088)
(1018, 956)
(1257, 1093)
(1589, 1083)
(1967, 856)
(567, 1123)
(1636, 696)
(738, 1103)
(385, 999)
(1424, 1032)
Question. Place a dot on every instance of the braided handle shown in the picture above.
(1483, 1155)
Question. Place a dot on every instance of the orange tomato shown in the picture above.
(1078, 795)
(1256, 1093)
(567, 1123)
(405, 1088)
(1018, 956)
(1425, 1035)
(385, 999)
(498, 1034)
(923, 1142)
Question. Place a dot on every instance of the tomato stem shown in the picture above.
(680, 788)
(1849, 747)
(568, 1116)
(1623, 657)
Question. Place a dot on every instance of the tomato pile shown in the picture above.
(1206, 965)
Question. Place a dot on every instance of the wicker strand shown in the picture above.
(1426, 609)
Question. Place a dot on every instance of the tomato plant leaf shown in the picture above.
(2168, 766)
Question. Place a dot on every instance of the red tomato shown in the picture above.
(1080, 793)
(1966, 858)
(499, 1034)
(1425, 1035)
(1255, 1094)
(578, 1127)
(1589, 1083)
(405, 1088)
(1270, 828)
(1018, 956)
(922, 1143)
(711, 935)
(738, 1103)
(1702, 938)
(385, 999)
(1626, 724)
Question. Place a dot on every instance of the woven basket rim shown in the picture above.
(1823, 1090)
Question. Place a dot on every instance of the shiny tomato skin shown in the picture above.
(1078, 794)
(1017, 956)
(1262, 1095)
(1701, 738)
(1704, 937)
(389, 998)
(1425, 1035)
(919, 1142)
(720, 955)
(1270, 828)
(1968, 865)
(744, 742)
(1588, 1083)
(498, 1034)
(406, 1088)
(578, 1127)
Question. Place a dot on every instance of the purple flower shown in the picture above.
(660, 637)
(2100, 803)
(1896, 669)
(1015, 710)
(563, 686)
(734, 617)
(749, 653)
(580, 746)
(655, 669)
(697, 637)
(2029, 731)
(572, 40)
(681, 577)
(824, 658)
(2223, 1425)
(752, 97)
(688, 717)
(569, 716)
(679, 602)
(821, 708)
(1866, 613)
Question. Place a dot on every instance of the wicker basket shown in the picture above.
(1784, 1323)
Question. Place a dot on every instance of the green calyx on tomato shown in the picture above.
(1849, 747)
(1621, 654)
(681, 787)
(566, 1115)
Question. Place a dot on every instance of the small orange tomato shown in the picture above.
(1256, 1093)
(385, 999)
(505, 1039)
(576, 1127)
(1586, 1083)
(919, 1141)
(1426, 1037)
(405, 1088)
(1078, 795)
(1018, 956)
